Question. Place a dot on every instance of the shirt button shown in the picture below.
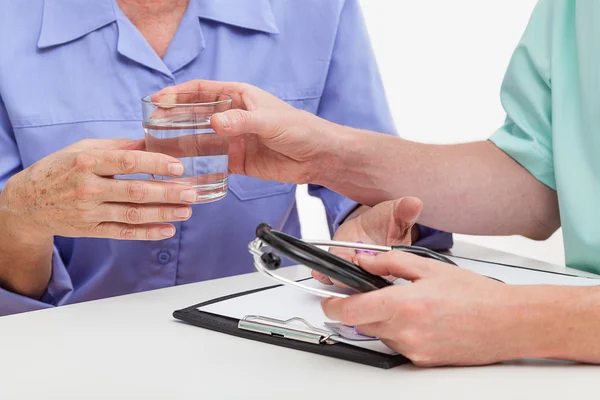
(164, 257)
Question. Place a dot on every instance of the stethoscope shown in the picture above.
(330, 265)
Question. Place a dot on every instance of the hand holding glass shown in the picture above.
(178, 124)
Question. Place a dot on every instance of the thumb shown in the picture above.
(407, 211)
(237, 122)
(404, 214)
(396, 263)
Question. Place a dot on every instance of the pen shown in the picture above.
(373, 253)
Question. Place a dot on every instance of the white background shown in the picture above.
(442, 64)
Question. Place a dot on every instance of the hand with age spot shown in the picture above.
(72, 193)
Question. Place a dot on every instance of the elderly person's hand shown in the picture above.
(446, 316)
(72, 193)
(388, 223)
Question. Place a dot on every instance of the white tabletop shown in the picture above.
(130, 347)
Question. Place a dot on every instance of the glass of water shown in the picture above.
(178, 124)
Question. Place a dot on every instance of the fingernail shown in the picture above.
(182, 212)
(167, 232)
(168, 99)
(175, 169)
(223, 120)
(189, 196)
(358, 332)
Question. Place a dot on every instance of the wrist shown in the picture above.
(25, 252)
(330, 165)
(538, 321)
(357, 212)
(15, 221)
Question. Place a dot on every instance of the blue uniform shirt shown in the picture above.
(73, 69)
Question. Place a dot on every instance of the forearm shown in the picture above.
(25, 254)
(471, 188)
(556, 322)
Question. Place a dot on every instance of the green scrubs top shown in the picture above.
(551, 94)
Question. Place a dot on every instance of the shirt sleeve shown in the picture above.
(526, 95)
(60, 285)
(354, 96)
(434, 239)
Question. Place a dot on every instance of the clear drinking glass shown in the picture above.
(178, 124)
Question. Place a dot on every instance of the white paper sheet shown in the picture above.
(523, 276)
(286, 302)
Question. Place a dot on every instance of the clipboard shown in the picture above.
(269, 330)
(270, 321)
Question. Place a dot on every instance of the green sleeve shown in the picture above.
(526, 135)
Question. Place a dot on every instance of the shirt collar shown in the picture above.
(66, 20)
(249, 14)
